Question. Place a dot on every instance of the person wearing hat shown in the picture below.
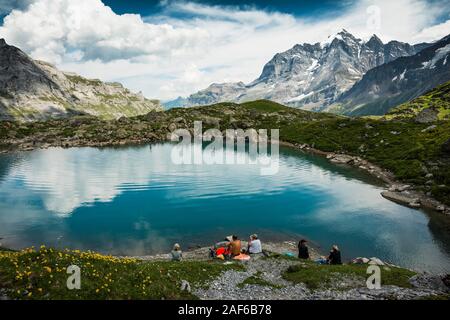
(303, 252)
(177, 254)
(254, 245)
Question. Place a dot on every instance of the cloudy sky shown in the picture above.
(173, 48)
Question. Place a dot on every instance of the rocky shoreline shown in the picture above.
(201, 254)
(396, 191)
(74, 143)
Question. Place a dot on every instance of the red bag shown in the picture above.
(223, 251)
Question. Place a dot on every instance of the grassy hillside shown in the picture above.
(437, 99)
(265, 106)
(412, 151)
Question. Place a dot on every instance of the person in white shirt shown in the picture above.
(254, 245)
(176, 254)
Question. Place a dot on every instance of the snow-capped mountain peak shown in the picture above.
(398, 81)
(312, 76)
(342, 35)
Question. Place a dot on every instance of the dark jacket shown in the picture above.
(303, 252)
(335, 257)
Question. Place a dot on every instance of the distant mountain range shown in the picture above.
(326, 76)
(33, 90)
(394, 83)
(344, 75)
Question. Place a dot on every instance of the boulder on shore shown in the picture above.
(341, 159)
(401, 198)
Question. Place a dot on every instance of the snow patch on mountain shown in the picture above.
(311, 76)
(301, 97)
(441, 53)
(394, 83)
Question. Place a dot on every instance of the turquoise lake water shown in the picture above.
(135, 200)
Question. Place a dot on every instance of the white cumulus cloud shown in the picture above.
(56, 29)
(434, 32)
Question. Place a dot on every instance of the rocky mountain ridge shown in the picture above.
(34, 90)
(309, 76)
(397, 82)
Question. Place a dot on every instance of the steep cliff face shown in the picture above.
(32, 90)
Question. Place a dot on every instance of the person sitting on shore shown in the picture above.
(303, 251)
(335, 256)
(235, 246)
(177, 254)
(254, 245)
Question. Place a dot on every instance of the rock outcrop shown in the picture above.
(427, 116)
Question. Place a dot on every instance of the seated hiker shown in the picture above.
(303, 251)
(235, 246)
(254, 245)
(221, 249)
(212, 253)
(335, 256)
(177, 254)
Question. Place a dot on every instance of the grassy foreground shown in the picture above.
(316, 276)
(42, 274)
